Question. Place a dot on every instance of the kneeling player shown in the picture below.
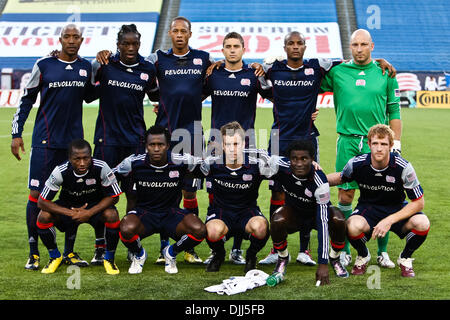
(89, 191)
(383, 178)
(307, 207)
(235, 183)
(158, 178)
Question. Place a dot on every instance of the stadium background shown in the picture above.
(413, 35)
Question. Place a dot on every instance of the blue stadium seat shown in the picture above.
(414, 35)
(259, 10)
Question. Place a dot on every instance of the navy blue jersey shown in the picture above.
(309, 197)
(180, 81)
(385, 187)
(233, 189)
(234, 95)
(76, 190)
(157, 188)
(295, 97)
(122, 89)
(62, 87)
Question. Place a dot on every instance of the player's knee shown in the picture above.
(215, 230)
(34, 194)
(197, 228)
(277, 196)
(355, 225)
(420, 222)
(259, 228)
(44, 217)
(128, 226)
(110, 215)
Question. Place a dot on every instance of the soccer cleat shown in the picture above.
(171, 262)
(74, 259)
(271, 258)
(137, 263)
(384, 261)
(191, 256)
(110, 267)
(250, 262)
(406, 267)
(208, 260)
(345, 258)
(281, 265)
(99, 254)
(236, 256)
(52, 265)
(160, 259)
(32, 262)
(305, 258)
(216, 262)
(340, 271)
(360, 266)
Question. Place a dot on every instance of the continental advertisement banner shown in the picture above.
(83, 6)
(433, 99)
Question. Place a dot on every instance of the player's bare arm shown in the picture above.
(334, 179)
(53, 208)
(82, 214)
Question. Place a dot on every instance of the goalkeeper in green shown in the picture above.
(363, 97)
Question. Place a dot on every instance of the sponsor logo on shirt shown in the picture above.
(294, 83)
(309, 71)
(245, 82)
(90, 182)
(175, 72)
(361, 82)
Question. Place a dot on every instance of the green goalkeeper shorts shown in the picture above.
(348, 147)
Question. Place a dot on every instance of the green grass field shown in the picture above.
(424, 143)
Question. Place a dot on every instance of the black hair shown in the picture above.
(78, 144)
(127, 28)
(157, 129)
(303, 145)
(234, 35)
(183, 19)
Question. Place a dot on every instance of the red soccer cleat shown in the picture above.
(360, 266)
(406, 267)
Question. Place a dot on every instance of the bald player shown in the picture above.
(363, 97)
(63, 83)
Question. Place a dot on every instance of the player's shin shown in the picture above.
(414, 239)
(133, 244)
(186, 242)
(359, 243)
(32, 213)
(112, 238)
(48, 236)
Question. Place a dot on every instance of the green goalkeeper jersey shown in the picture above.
(363, 97)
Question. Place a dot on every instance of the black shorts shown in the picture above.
(374, 214)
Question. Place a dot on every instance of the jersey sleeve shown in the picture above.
(109, 182)
(124, 168)
(29, 97)
(52, 185)
(322, 195)
(264, 87)
(411, 184)
(393, 99)
(269, 166)
(347, 172)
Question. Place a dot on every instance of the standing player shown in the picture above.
(89, 191)
(234, 88)
(235, 182)
(120, 126)
(307, 207)
(157, 178)
(180, 72)
(363, 97)
(62, 83)
(383, 178)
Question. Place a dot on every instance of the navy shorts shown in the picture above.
(274, 185)
(374, 214)
(164, 223)
(113, 155)
(234, 220)
(42, 163)
(64, 223)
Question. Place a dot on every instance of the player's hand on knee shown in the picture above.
(322, 275)
(16, 147)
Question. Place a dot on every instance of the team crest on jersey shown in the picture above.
(247, 177)
(174, 174)
(83, 73)
(245, 82)
(90, 182)
(144, 76)
(198, 61)
(309, 71)
(390, 179)
(361, 82)
(34, 183)
(308, 193)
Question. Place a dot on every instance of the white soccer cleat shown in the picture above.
(345, 258)
(137, 263)
(384, 261)
(171, 262)
(236, 256)
(271, 258)
(305, 258)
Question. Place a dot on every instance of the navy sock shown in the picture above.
(359, 243)
(32, 213)
(186, 242)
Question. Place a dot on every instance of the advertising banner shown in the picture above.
(433, 99)
(267, 39)
(416, 81)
